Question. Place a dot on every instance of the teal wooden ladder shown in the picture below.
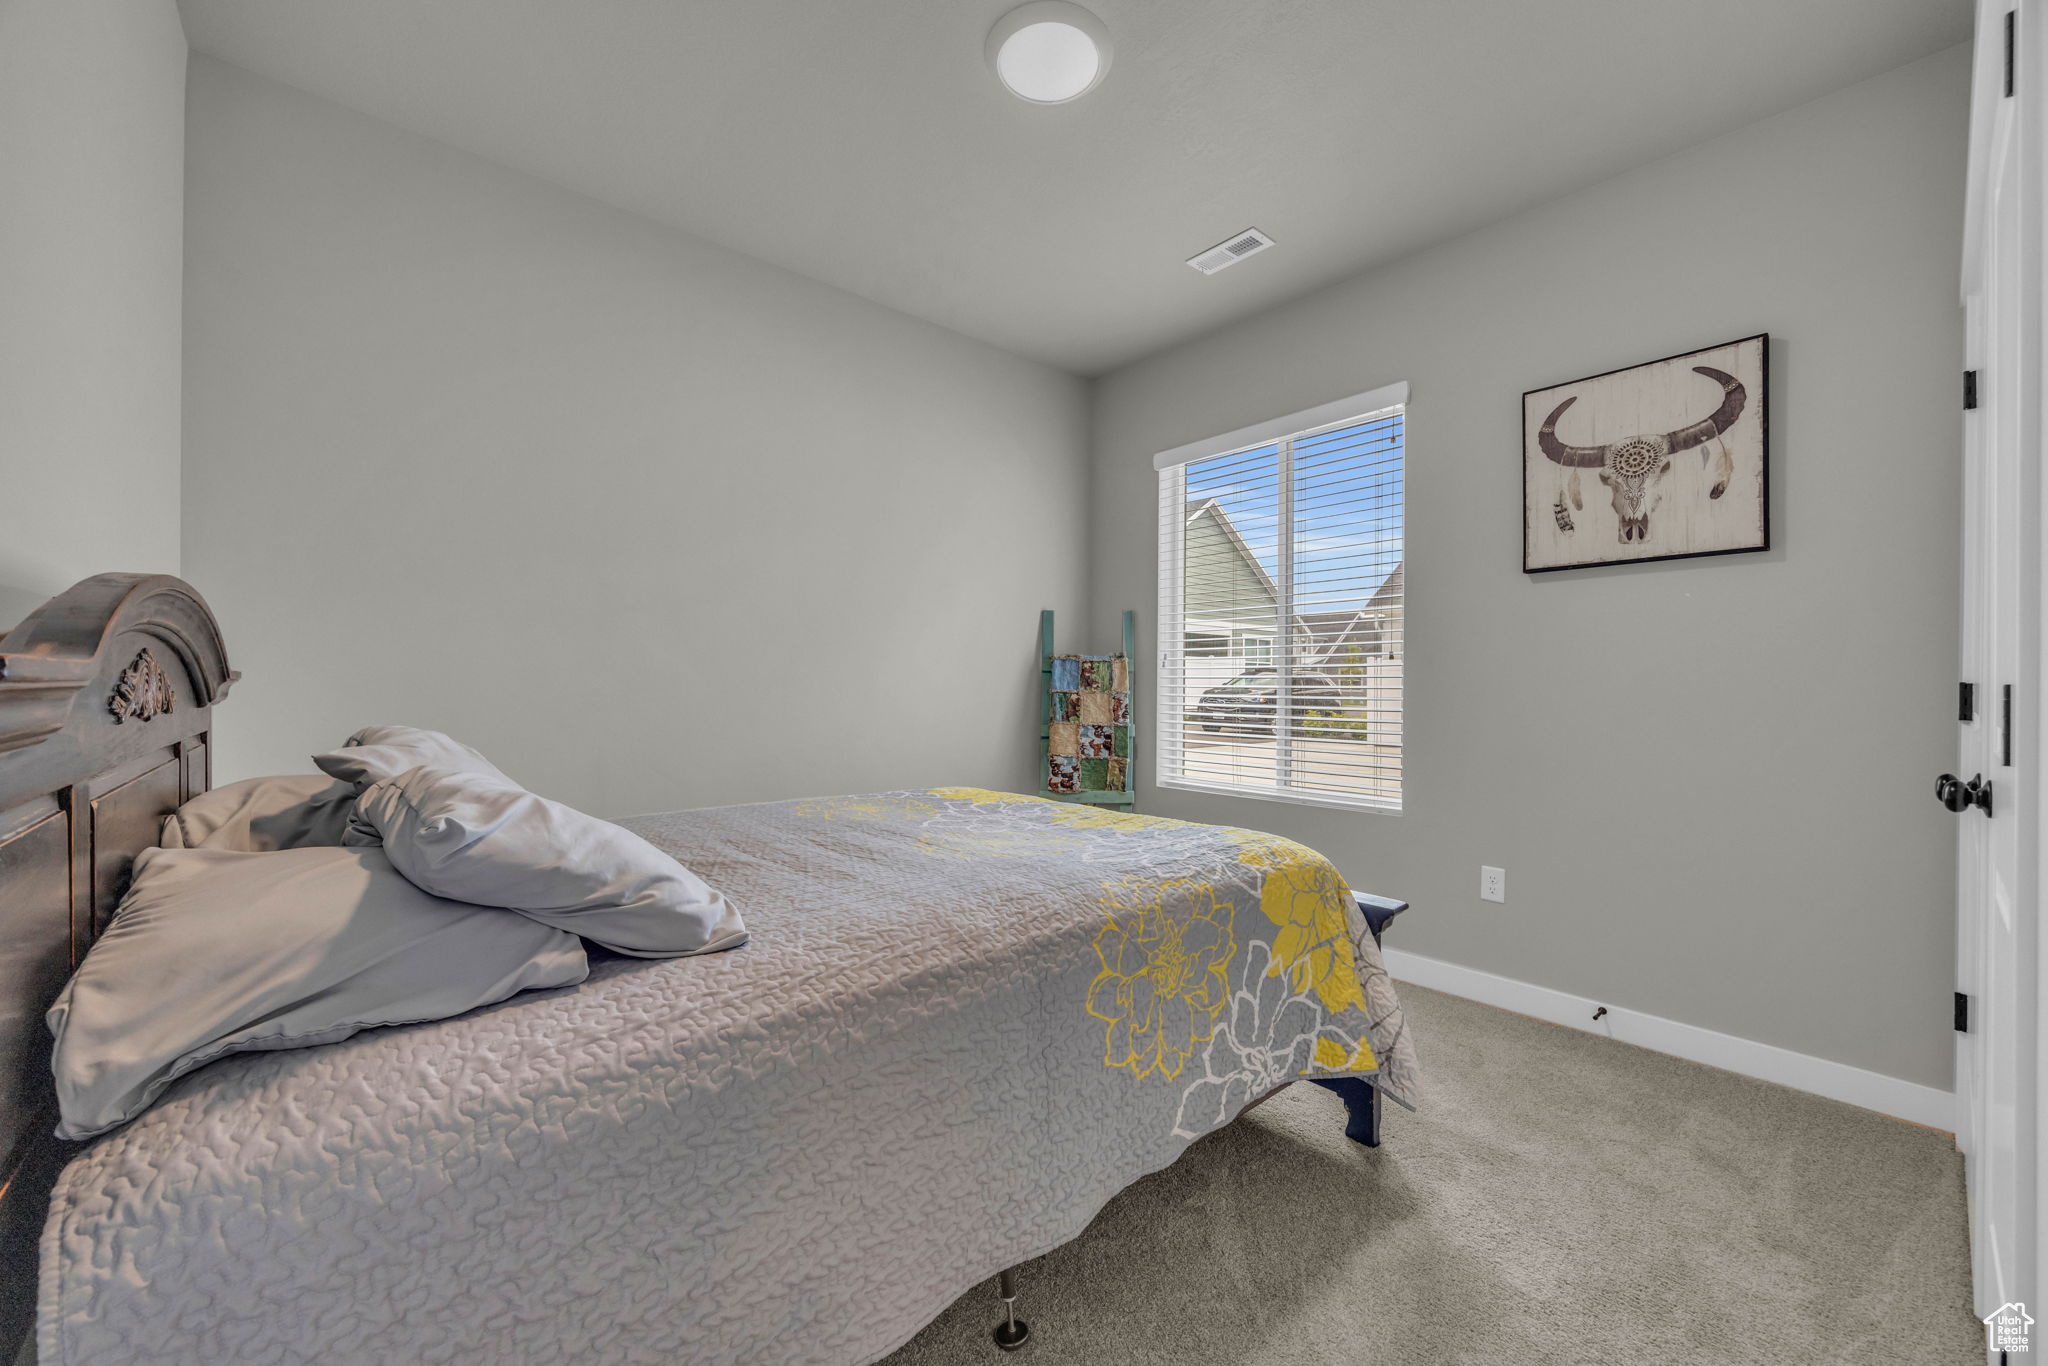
(1122, 733)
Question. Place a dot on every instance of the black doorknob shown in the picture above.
(1957, 795)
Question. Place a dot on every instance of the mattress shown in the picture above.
(966, 1019)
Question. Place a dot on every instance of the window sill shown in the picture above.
(1380, 805)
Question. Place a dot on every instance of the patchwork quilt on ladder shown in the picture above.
(1088, 736)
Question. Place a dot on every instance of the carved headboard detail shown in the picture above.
(144, 692)
(106, 717)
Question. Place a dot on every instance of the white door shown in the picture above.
(1995, 787)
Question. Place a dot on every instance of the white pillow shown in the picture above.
(214, 951)
(377, 754)
(481, 837)
(263, 814)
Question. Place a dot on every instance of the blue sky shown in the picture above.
(1348, 509)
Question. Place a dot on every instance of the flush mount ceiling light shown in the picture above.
(1049, 51)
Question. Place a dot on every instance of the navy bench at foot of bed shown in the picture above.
(1379, 911)
(1362, 1101)
(1361, 1097)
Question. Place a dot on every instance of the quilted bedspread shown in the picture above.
(966, 1020)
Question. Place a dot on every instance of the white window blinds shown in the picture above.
(1280, 608)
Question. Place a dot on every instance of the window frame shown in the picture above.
(1169, 727)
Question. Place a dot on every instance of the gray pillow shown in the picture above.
(481, 837)
(376, 754)
(213, 951)
(258, 815)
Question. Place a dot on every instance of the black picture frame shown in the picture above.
(1544, 402)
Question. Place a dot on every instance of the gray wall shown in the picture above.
(92, 138)
(1709, 781)
(651, 523)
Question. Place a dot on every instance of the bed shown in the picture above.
(966, 1019)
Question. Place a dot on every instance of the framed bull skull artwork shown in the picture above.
(1656, 462)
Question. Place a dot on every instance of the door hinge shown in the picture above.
(1962, 1013)
(2005, 726)
(1969, 390)
(2011, 18)
(1966, 701)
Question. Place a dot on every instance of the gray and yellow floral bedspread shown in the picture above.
(965, 1021)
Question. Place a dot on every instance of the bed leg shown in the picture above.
(1362, 1101)
(1012, 1332)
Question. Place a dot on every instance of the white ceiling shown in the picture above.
(867, 144)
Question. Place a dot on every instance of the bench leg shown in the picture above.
(1362, 1101)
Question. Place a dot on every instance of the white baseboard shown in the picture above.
(1837, 1081)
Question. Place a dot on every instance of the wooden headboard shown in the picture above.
(106, 717)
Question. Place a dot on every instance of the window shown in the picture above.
(1285, 540)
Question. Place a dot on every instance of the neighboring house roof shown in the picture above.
(1388, 597)
(1327, 632)
(1357, 627)
(1333, 631)
(1213, 509)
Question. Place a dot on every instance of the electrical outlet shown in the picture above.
(1493, 883)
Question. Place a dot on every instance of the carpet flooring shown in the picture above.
(1561, 1198)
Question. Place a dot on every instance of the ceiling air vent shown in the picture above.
(1230, 251)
